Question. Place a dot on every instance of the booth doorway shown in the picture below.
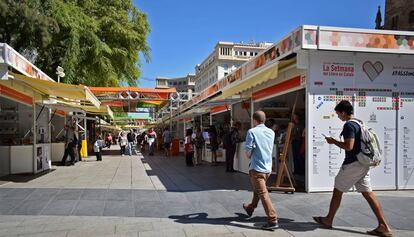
(279, 112)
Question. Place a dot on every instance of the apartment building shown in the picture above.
(226, 57)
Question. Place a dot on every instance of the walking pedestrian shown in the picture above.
(199, 145)
(70, 145)
(259, 147)
(97, 148)
(167, 138)
(232, 138)
(188, 147)
(352, 172)
(123, 142)
(152, 139)
(214, 144)
(131, 139)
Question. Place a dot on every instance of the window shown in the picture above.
(225, 66)
(175, 83)
(225, 74)
(411, 18)
(251, 53)
(244, 53)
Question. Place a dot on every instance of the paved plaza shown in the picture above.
(160, 196)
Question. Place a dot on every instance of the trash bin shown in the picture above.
(175, 147)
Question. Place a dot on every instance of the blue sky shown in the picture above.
(184, 32)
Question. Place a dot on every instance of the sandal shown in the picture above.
(318, 219)
(379, 233)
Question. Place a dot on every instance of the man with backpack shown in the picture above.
(230, 141)
(353, 171)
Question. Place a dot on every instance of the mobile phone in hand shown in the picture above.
(325, 136)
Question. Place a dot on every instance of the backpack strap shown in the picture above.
(357, 121)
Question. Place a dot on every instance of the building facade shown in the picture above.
(182, 84)
(226, 57)
(399, 15)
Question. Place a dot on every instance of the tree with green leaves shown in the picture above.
(97, 42)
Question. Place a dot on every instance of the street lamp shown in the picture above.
(60, 73)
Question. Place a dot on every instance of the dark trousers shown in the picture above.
(122, 150)
(230, 152)
(189, 158)
(298, 160)
(69, 151)
(98, 156)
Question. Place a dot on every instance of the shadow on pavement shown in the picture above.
(240, 220)
(243, 221)
(23, 178)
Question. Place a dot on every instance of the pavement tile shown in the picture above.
(69, 194)
(89, 208)
(145, 195)
(59, 207)
(119, 208)
(119, 195)
(133, 227)
(163, 233)
(47, 234)
(94, 194)
(205, 229)
(29, 207)
(17, 193)
(20, 230)
(6, 205)
(92, 231)
(43, 194)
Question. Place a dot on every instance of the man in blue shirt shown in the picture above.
(352, 173)
(259, 148)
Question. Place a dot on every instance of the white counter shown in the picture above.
(21, 159)
(57, 150)
(241, 163)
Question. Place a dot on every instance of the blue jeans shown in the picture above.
(130, 148)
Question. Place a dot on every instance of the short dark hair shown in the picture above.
(259, 116)
(189, 132)
(345, 106)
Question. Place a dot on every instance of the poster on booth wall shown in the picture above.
(377, 104)
(406, 141)
(330, 74)
(43, 161)
(324, 160)
(404, 70)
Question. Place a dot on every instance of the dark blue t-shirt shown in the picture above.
(352, 130)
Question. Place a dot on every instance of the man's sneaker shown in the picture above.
(249, 212)
(270, 226)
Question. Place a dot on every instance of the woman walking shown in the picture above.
(123, 142)
(188, 148)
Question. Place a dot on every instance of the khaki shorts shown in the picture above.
(353, 174)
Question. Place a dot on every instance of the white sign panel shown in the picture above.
(324, 160)
(406, 141)
(372, 82)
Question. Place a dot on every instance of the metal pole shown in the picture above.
(170, 115)
(34, 157)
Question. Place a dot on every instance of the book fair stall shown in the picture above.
(29, 103)
(306, 74)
